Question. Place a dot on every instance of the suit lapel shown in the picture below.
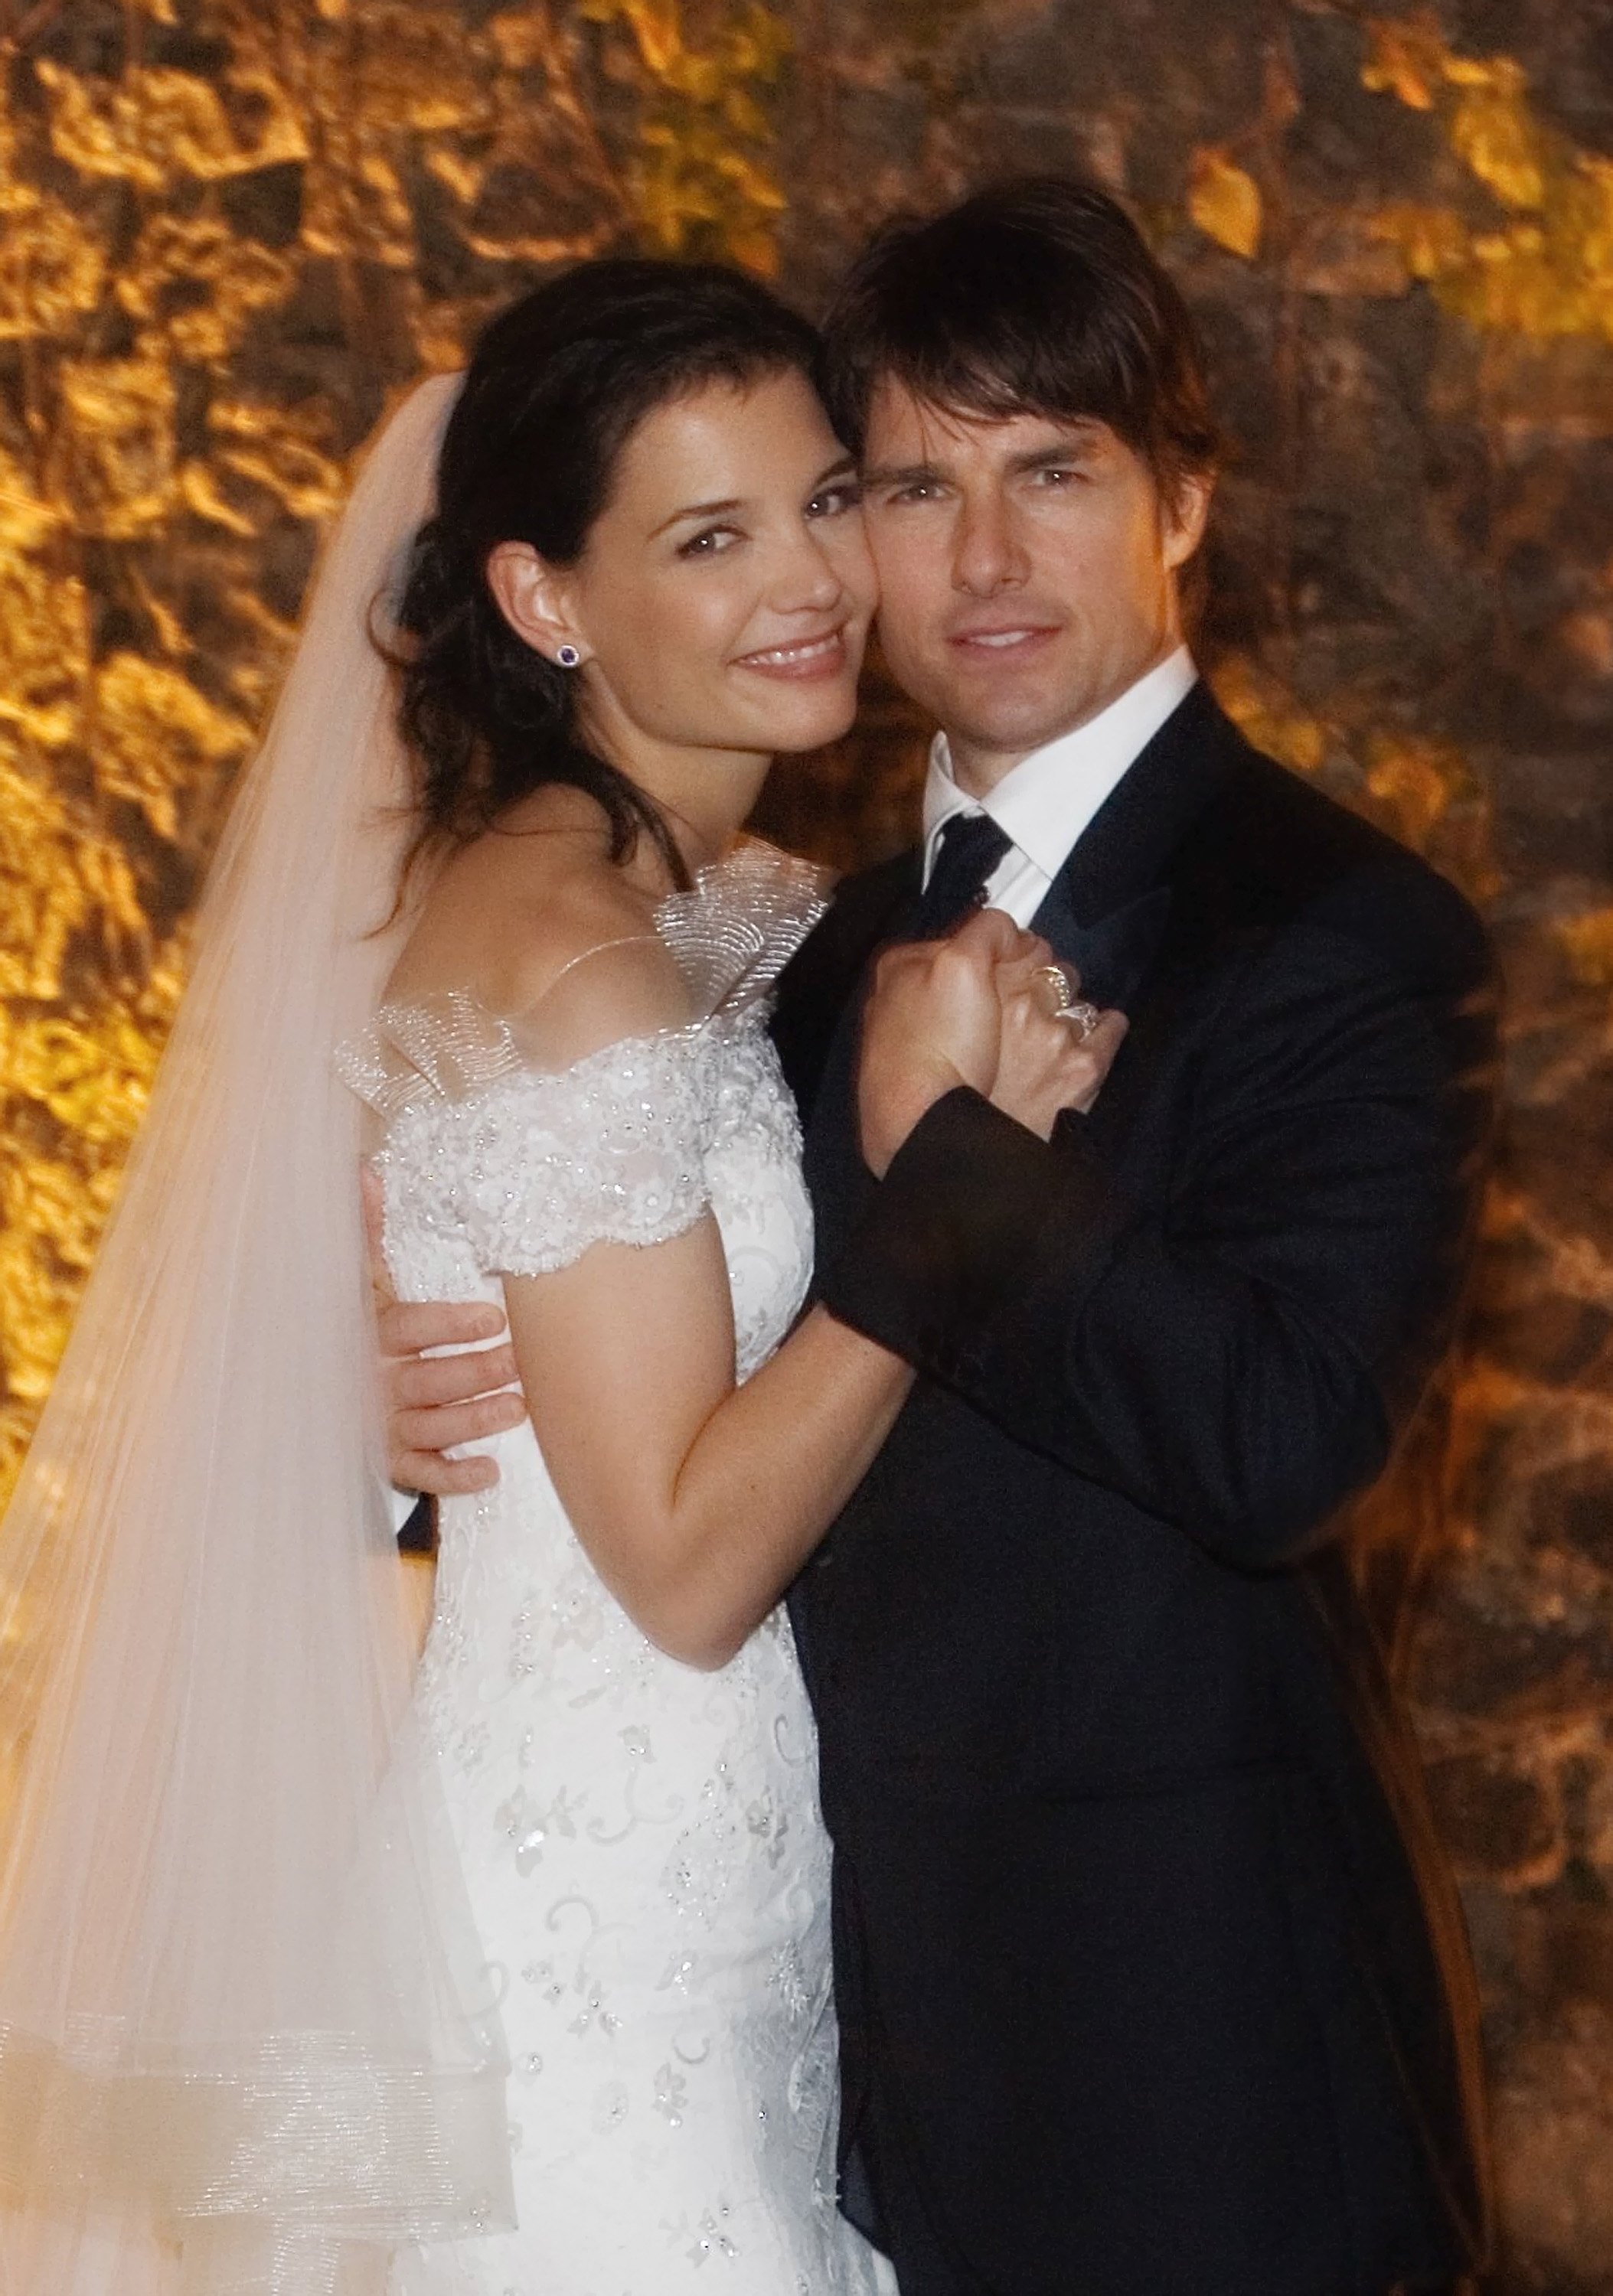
(1129, 846)
(1113, 955)
(1125, 908)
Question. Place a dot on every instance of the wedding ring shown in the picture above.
(1082, 1017)
(1058, 982)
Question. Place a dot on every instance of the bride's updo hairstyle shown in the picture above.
(558, 386)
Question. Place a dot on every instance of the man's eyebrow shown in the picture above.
(1072, 438)
(1076, 440)
(697, 510)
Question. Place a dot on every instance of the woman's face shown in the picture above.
(723, 598)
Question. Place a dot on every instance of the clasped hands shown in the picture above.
(976, 1009)
(980, 1009)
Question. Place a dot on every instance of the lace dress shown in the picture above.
(640, 1840)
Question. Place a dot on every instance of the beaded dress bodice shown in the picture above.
(641, 1840)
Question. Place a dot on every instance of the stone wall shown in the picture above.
(233, 227)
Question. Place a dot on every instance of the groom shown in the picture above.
(1149, 1978)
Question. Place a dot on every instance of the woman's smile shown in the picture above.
(823, 656)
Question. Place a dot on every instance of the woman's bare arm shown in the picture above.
(697, 1502)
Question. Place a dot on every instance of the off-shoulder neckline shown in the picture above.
(731, 934)
(752, 907)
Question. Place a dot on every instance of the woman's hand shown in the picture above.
(932, 1022)
(982, 1009)
(1046, 1061)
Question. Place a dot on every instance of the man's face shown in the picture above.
(1027, 570)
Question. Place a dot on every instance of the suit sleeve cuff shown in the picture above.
(962, 1225)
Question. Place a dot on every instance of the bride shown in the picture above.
(511, 1978)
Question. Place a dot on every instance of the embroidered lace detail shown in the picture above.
(493, 1165)
(524, 1172)
(641, 1842)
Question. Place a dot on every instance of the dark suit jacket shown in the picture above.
(1140, 1984)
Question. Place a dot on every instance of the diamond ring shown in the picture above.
(1082, 1017)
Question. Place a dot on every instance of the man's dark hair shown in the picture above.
(1037, 296)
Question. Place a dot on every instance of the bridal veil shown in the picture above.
(246, 2044)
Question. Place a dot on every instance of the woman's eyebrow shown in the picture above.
(840, 468)
(697, 510)
(846, 465)
(902, 474)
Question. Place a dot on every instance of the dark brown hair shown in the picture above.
(1037, 296)
(557, 387)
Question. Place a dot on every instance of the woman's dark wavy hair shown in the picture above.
(1037, 296)
(557, 387)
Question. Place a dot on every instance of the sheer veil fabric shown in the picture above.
(245, 2043)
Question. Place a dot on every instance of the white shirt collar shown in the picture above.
(1051, 796)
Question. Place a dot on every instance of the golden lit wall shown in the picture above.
(231, 230)
(226, 232)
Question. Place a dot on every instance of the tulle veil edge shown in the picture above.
(247, 2044)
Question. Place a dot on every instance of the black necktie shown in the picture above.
(971, 846)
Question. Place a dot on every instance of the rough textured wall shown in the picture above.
(230, 228)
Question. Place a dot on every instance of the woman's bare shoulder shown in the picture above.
(544, 926)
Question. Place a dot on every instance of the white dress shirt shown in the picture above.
(1048, 800)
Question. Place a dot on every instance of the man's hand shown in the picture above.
(435, 1402)
(933, 1022)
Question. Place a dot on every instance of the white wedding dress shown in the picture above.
(641, 1842)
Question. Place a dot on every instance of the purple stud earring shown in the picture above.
(567, 656)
